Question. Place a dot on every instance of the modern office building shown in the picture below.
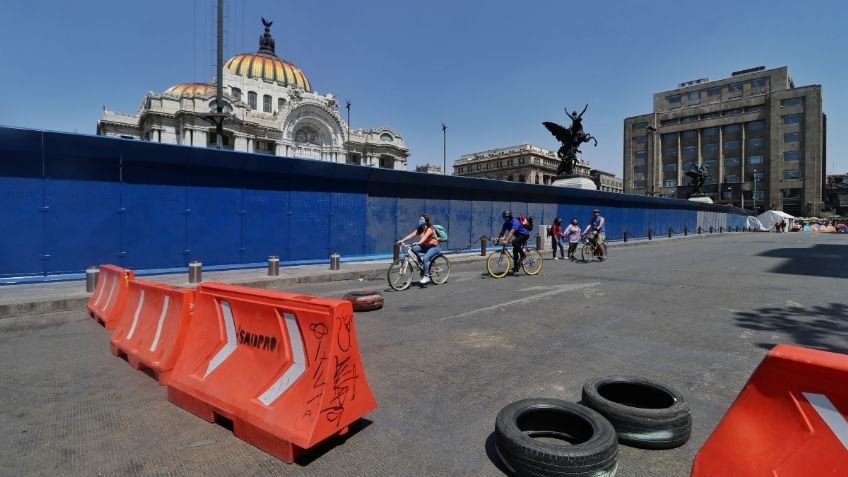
(761, 137)
(522, 163)
(273, 109)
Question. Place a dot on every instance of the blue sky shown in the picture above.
(491, 70)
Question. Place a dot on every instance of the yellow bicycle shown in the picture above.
(499, 262)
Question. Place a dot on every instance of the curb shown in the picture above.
(377, 271)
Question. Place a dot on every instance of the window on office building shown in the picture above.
(759, 83)
(694, 96)
(689, 135)
(792, 101)
(669, 138)
(642, 125)
(689, 119)
(669, 167)
(735, 86)
(690, 152)
(792, 137)
(793, 119)
(707, 148)
(640, 155)
(755, 143)
(710, 132)
(713, 115)
(639, 139)
(639, 169)
(640, 184)
(756, 125)
(669, 122)
(714, 91)
(732, 129)
(754, 109)
(755, 160)
(675, 98)
(792, 174)
(670, 183)
(712, 165)
(732, 145)
(760, 194)
(792, 193)
(732, 178)
(731, 112)
(670, 153)
(731, 163)
(792, 156)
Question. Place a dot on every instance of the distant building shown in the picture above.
(762, 138)
(836, 193)
(607, 181)
(428, 168)
(272, 109)
(522, 163)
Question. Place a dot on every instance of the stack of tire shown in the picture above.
(631, 410)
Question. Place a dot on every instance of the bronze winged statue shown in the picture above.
(571, 139)
(698, 173)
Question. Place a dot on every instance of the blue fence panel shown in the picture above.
(153, 195)
(381, 219)
(82, 225)
(265, 222)
(409, 210)
(309, 234)
(459, 224)
(483, 220)
(348, 223)
(22, 241)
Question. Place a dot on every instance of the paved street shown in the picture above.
(443, 360)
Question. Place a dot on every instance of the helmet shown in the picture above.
(506, 214)
(596, 211)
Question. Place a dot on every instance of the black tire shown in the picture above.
(644, 413)
(590, 447)
(365, 300)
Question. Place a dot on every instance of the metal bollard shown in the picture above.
(737, 228)
(195, 272)
(669, 232)
(396, 252)
(650, 234)
(626, 234)
(685, 231)
(721, 229)
(91, 276)
(699, 230)
(711, 229)
(539, 242)
(273, 266)
(483, 247)
(335, 261)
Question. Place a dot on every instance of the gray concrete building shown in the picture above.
(607, 181)
(761, 136)
(428, 168)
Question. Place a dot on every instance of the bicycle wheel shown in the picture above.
(400, 275)
(533, 262)
(439, 269)
(498, 264)
(603, 253)
(588, 252)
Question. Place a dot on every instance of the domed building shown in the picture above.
(272, 109)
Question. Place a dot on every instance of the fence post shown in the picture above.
(711, 229)
(538, 242)
(686, 231)
(195, 272)
(650, 233)
(625, 235)
(699, 230)
(669, 232)
(483, 246)
(396, 252)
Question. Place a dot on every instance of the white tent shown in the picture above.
(753, 223)
(771, 217)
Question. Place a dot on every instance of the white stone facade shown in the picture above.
(265, 116)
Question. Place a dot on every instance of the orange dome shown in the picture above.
(268, 67)
(191, 89)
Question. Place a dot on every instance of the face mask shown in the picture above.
(421, 222)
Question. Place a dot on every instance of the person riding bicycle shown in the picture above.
(427, 246)
(596, 226)
(519, 235)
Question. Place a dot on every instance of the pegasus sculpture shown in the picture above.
(571, 139)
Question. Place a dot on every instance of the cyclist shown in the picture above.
(519, 234)
(596, 226)
(427, 246)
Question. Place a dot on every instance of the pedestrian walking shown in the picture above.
(555, 232)
(572, 235)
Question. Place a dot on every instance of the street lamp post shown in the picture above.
(444, 149)
(755, 191)
(347, 105)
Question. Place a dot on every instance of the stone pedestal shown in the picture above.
(575, 181)
(700, 198)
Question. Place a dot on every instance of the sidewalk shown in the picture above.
(41, 298)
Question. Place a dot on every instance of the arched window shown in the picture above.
(386, 137)
(281, 102)
(236, 93)
(251, 99)
(266, 103)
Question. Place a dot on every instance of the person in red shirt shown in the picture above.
(556, 239)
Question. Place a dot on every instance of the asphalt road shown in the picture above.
(443, 360)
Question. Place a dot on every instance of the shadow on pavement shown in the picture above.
(492, 454)
(333, 442)
(823, 327)
(821, 260)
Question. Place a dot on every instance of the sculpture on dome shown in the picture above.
(571, 139)
(266, 41)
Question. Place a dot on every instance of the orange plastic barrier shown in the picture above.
(791, 419)
(107, 301)
(152, 326)
(284, 368)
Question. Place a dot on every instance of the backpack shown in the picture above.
(525, 222)
(441, 233)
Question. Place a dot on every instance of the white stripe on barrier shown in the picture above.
(100, 293)
(135, 317)
(296, 369)
(230, 345)
(111, 294)
(830, 415)
(161, 321)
